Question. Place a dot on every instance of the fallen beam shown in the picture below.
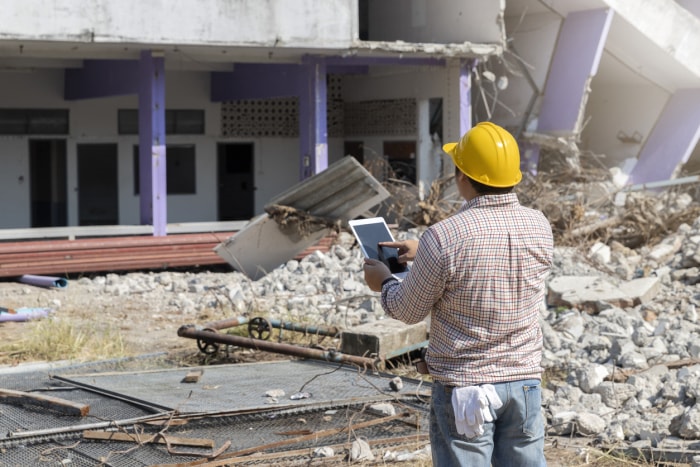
(144, 438)
(53, 403)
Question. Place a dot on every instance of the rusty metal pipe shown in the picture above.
(277, 324)
(193, 332)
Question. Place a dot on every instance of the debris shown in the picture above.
(24, 314)
(301, 216)
(360, 451)
(44, 281)
(146, 438)
(324, 451)
(275, 393)
(396, 384)
(383, 408)
(193, 376)
(300, 395)
(54, 403)
(386, 339)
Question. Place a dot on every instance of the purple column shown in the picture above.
(672, 140)
(152, 183)
(575, 61)
(313, 128)
(465, 103)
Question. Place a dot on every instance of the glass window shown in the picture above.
(34, 122)
(180, 169)
(177, 122)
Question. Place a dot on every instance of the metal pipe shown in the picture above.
(274, 323)
(317, 330)
(193, 332)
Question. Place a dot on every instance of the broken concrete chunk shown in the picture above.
(383, 408)
(275, 393)
(387, 338)
(600, 253)
(641, 290)
(590, 292)
(590, 424)
(396, 384)
(324, 451)
(360, 451)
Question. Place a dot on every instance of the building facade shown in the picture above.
(185, 111)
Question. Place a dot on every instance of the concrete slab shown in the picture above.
(588, 292)
(343, 191)
(387, 338)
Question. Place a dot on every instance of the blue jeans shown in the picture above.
(517, 432)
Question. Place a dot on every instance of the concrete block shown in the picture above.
(585, 292)
(641, 290)
(386, 339)
(590, 292)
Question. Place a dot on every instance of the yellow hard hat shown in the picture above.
(488, 154)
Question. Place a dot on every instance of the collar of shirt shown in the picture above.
(491, 201)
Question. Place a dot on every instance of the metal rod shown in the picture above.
(275, 323)
(318, 330)
(192, 332)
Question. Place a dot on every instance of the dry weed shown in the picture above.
(56, 339)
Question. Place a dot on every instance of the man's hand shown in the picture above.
(376, 272)
(407, 249)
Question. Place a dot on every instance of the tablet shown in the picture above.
(369, 232)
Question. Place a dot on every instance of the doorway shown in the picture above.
(47, 179)
(236, 181)
(98, 193)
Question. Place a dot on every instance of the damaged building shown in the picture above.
(140, 114)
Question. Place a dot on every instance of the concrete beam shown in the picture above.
(574, 63)
(256, 81)
(101, 78)
(672, 140)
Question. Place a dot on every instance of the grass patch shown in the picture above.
(55, 339)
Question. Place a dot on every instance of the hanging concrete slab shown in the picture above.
(343, 191)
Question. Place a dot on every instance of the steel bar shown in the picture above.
(192, 332)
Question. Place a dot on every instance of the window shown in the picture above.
(34, 121)
(180, 169)
(177, 122)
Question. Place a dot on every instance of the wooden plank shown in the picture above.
(147, 438)
(193, 376)
(54, 403)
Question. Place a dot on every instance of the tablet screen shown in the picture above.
(369, 232)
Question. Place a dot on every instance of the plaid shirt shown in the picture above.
(480, 276)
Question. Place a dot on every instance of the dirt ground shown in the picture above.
(141, 330)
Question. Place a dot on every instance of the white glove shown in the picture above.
(491, 396)
(471, 407)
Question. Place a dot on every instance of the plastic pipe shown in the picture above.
(44, 281)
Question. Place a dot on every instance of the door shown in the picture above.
(98, 197)
(236, 183)
(47, 179)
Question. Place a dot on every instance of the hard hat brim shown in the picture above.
(449, 148)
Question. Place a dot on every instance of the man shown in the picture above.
(480, 276)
